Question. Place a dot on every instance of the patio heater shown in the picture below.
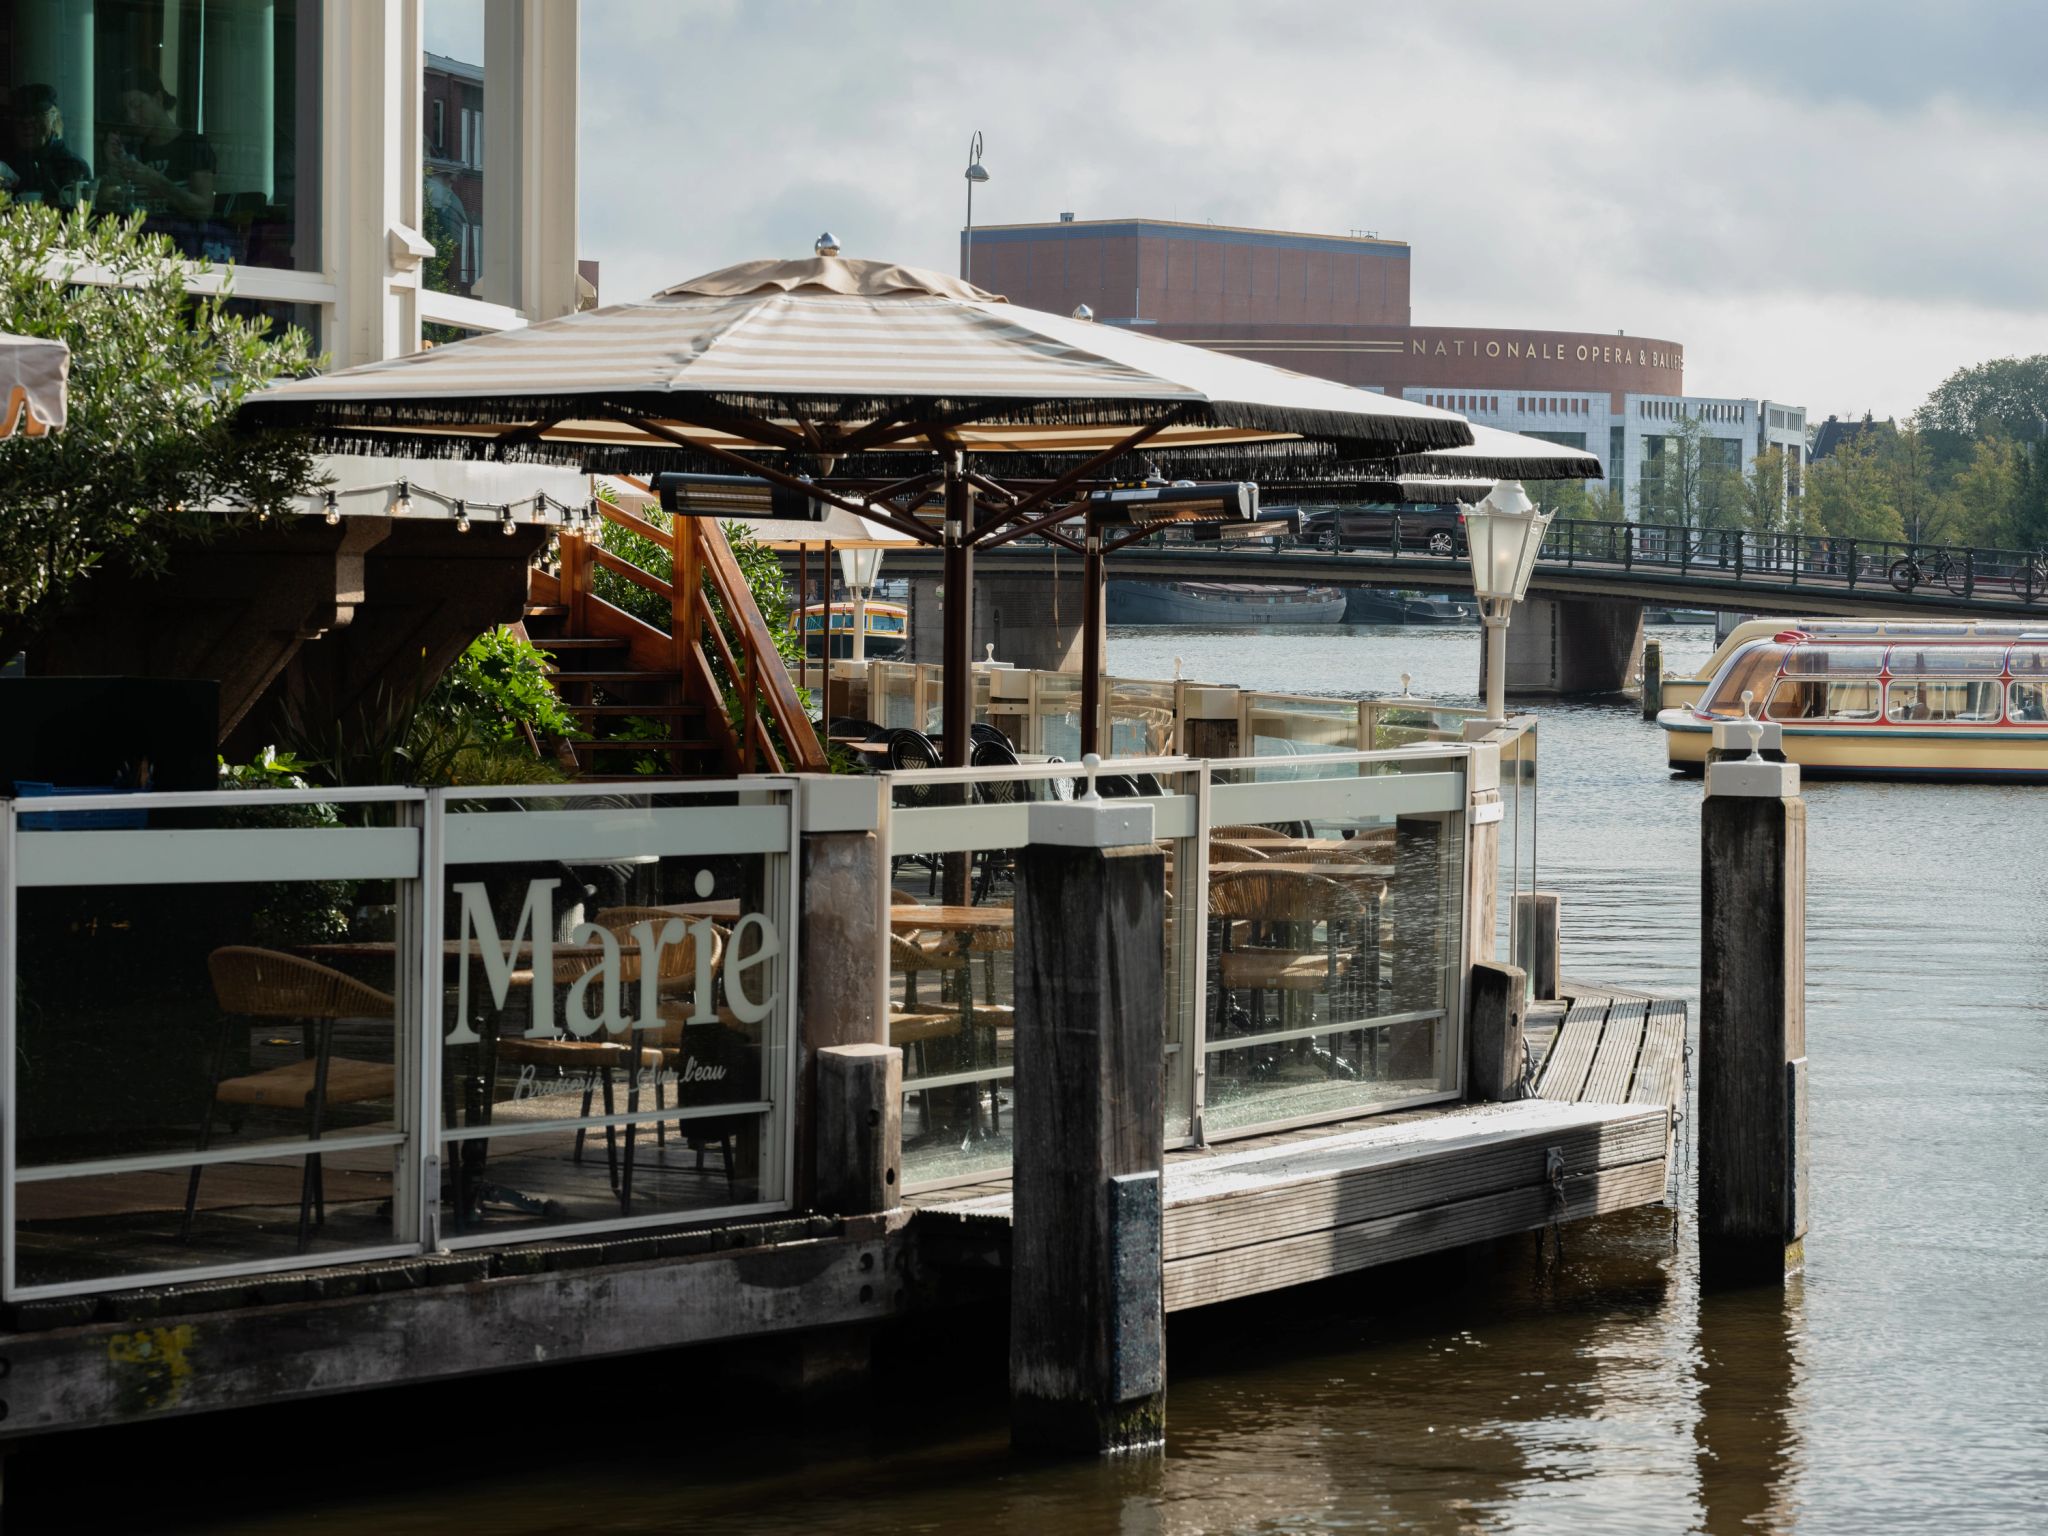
(975, 173)
(1503, 532)
(858, 569)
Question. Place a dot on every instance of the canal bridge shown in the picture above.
(1579, 631)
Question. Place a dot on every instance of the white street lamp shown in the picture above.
(975, 173)
(1503, 532)
(858, 569)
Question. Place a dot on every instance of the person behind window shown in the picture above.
(169, 168)
(40, 166)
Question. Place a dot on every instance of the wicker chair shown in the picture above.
(264, 984)
(1224, 852)
(1274, 908)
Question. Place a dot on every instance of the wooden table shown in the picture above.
(954, 919)
(1340, 869)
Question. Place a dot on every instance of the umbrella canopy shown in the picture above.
(831, 356)
(34, 374)
(1496, 455)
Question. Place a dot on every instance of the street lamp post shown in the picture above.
(858, 567)
(1503, 532)
(975, 173)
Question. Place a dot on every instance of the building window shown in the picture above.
(202, 117)
(455, 207)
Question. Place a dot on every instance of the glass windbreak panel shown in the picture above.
(1056, 715)
(452, 128)
(203, 116)
(1141, 720)
(1334, 913)
(1404, 721)
(614, 1007)
(1750, 670)
(1516, 876)
(2028, 701)
(1947, 660)
(892, 694)
(1943, 703)
(1286, 725)
(952, 957)
(210, 1045)
(1834, 661)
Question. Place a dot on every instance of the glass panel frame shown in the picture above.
(111, 844)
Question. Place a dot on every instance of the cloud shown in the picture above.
(1815, 200)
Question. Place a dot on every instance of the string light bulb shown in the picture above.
(461, 516)
(403, 506)
(505, 524)
(333, 510)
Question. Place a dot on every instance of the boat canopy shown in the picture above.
(1794, 676)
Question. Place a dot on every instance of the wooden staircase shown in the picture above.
(706, 695)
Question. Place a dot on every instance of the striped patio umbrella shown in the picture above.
(34, 375)
(811, 368)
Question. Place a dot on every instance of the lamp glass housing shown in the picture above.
(858, 567)
(1504, 533)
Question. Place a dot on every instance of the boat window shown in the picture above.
(1853, 700)
(1833, 661)
(1942, 703)
(1911, 659)
(1796, 700)
(1752, 668)
(2029, 701)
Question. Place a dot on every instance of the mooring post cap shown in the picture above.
(1088, 820)
(1734, 736)
(1755, 778)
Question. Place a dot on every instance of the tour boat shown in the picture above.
(1679, 692)
(1943, 702)
(887, 627)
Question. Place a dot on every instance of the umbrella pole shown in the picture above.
(958, 601)
(1092, 661)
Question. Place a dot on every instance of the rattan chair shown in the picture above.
(264, 984)
(1272, 910)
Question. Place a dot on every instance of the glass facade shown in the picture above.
(452, 158)
(201, 115)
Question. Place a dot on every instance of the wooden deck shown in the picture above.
(1298, 1206)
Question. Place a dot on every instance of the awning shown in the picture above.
(34, 374)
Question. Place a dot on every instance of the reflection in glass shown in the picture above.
(201, 115)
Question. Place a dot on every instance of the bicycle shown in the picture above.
(1908, 571)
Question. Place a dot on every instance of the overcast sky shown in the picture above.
(1831, 204)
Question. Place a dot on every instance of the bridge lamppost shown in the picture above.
(975, 173)
(1503, 533)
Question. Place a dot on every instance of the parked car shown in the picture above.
(1436, 528)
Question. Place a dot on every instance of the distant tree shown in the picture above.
(1689, 482)
(2007, 392)
(1984, 502)
(150, 445)
(1908, 461)
(1763, 499)
(1848, 494)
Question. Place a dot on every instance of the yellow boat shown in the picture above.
(1947, 701)
(1682, 692)
(887, 627)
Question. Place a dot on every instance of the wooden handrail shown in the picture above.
(703, 566)
(765, 677)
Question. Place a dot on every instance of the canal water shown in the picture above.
(1902, 1384)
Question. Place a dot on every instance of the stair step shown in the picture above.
(580, 676)
(547, 610)
(634, 709)
(622, 743)
(581, 643)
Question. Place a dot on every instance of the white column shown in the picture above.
(371, 177)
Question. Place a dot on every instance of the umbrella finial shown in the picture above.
(826, 244)
(1083, 312)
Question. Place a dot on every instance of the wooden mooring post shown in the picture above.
(1752, 1068)
(1499, 1005)
(1087, 1308)
(1653, 678)
(1538, 919)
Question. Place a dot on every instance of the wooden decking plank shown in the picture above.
(1248, 1218)
(1564, 1074)
(1659, 1068)
(1313, 1256)
(1614, 1061)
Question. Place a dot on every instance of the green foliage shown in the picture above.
(1849, 493)
(156, 378)
(1688, 482)
(2007, 394)
(272, 769)
(500, 688)
(283, 913)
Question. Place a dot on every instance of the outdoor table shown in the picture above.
(911, 918)
(1340, 869)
